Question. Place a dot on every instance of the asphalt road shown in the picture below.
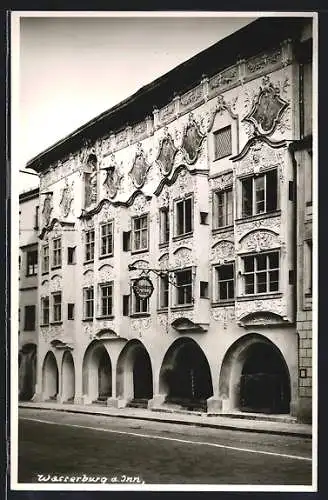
(68, 446)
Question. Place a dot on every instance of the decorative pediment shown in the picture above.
(113, 178)
(60, 344)
(107, 334)
(140, 168)
(222, 106)
(258, 240)
(222, 250)
(185, 325)
(261, 318)
(259, 154)
(67, 198)
(192, 140)
(166, 155)
(182, 257)
(267, 110)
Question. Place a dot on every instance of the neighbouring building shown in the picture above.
(28, 292)
(200, 184)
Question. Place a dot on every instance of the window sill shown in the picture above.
(183, 236)
(86, 262)
(182, 306)
(139, 315)
(29, 330)
(258, 296)
(44, 325)
(71, 263)
(223, 303)
(164, 244)
(55, 267)
(162, 310)
(45, 273)
(143, 250)
(107, 256)
(264, 215)
(84, 320)
(105, 317)
(56, 323)
(31, 275)
(222, 229)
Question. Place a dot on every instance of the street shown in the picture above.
(64, 445)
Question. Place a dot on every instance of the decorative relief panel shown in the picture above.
(67, 196)
(138, 325)
(182, 257)
(270, 223)
(192, 140)
(105, 273)
(223, 250)
(140, 167)
(140, 205)
(258, 240)
(163, 321)
(106, 213)
(263, 61)
(222, 105)
(47, 209)
(182, 313)
(164, 198)
(223, 80)
(163, 261)
(121, 139)
(191, 99)
(105, 324)
(88, 277)
(55, 283)
(87, 223)
(274, 305)
(222, 182)
(167, 114)
(260, 157)
(139, 131)
(88, 330)
(166, 154)
(55, 331)
(223, 315)
(113, 178)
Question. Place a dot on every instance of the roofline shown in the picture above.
(29, 195)
(238, 49)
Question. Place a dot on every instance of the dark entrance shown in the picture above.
(264, 384)
(104, 376)
(142, 376)
(189, 380)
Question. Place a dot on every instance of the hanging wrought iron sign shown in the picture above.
(143, 287)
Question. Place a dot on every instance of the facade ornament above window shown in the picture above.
(259, 240)
(140, 167)
(192, 140)
(166, 154)
(47, 209)
(90, 180)
(223, 250)
(113, 178)
(67, 198)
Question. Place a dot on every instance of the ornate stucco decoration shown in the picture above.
(223, 315)
(164, 198)
(60, 344)
(271, 223)
(55, 331)
(166, 154)
(259, 240)
(223, 80)
(47, 209)
(222, 251)
(105, 273)
(267, 108)
(266, 305)
(260, 154)
(186, 314)
(263, 61)
(55, 283)
(192, 140)
(222, 182)
(140, 167)
(138, 325)
(106, 212)
(221, 107)
(113, 178)
(261, 318)
(182, 257)
(67, 198)
(185, 325)
(90, 180)
(163, 261)
(88, 277)
(140, 204)
(192, 98)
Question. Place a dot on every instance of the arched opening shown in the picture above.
(97, 373)
(27, 372)
(68, 378)
(50, 377)
(185, 375)
(254, 377)
(134, 375)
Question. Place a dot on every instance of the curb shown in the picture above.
(306, 434)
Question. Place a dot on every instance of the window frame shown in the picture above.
(254, 179)
(43, 309)
(88, 301)
(70, 311)
(56, 253)
(45, 259)
(177, 202)
(140, 230)
(31, 265)
(57, 306)
(89, 246)
(178, 304)
(256, 272)
(101, 287)
(163, 291)
(134, 301)
(29, 324)
(164, 226)
(215, 134)
(106, 236)
(216, 289)
(216, 194)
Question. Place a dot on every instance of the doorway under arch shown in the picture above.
(68, 378)
(254, 377)
(185, 375)
(50, 377)
(134, 374)
(97, 373)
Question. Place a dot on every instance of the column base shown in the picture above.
(214, 405)
(156, 402)
(37, 398)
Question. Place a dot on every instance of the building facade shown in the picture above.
(28, 292)
(193, 184)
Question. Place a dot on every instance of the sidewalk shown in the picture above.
(255, 423)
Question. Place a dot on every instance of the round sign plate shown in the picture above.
(143, 287)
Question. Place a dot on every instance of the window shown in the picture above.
(29, 318)
(89, 245)
(71, 255)
(106, 298)
(203, 289)
(223, 208)
(45, 316)
(70, 311)
(126, 304)
(203, 218)
(261, 273)
(139, 306)
(183, 287)
(225, 282)
(106, 239)
(88, 302)
(164, 225)
(259, 194)
(184, 216)
(56, 261)
(45, 258)
(140, 233)
(222, 143)
(57, 307)
(126, 241)
(32, 263)
(164, 291)
(36, 218)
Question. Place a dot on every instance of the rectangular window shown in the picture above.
(183, 287)
(29, 318)
(57, 307)
(32, 263)
(223, 208)
(203, 289)
(222, 143)
(126, 241)
(45, 258)
(106, 298)
(164, 225)
(225, 282)
(126, 304)
(106, 239)
(57, 252)
(70, 311)
(45, 315)
(261, 273)
(164, 291)
(139, 306)
(71, 255)
(260, 194)
(140, 233)
(184, 216)
(36, 218)
(88, 302)
(89, 245)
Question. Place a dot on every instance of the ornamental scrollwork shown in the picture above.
(55, 283)
(166, 153)
(222, 182)
(47, 209)
(105, 273)
(223, 250)
(140, 205)
(88, 277)
(191, 98)
(113, 178)
(67, 197)
(140, 168)
(259, 240)
(271, 223)
(224, 315)
(192, 140)
(88, 330)
(182, 313)
(275, 306)
(259, 158)
(182, 257)
(139, 325)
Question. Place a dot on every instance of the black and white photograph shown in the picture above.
(163, 251)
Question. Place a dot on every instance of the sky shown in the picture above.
(73, 68)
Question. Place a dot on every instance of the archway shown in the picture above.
(68, 377)
(50, 377)
(134, 374)
(97, 373)
(185, 375)
(254, 377)
(27, 372)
